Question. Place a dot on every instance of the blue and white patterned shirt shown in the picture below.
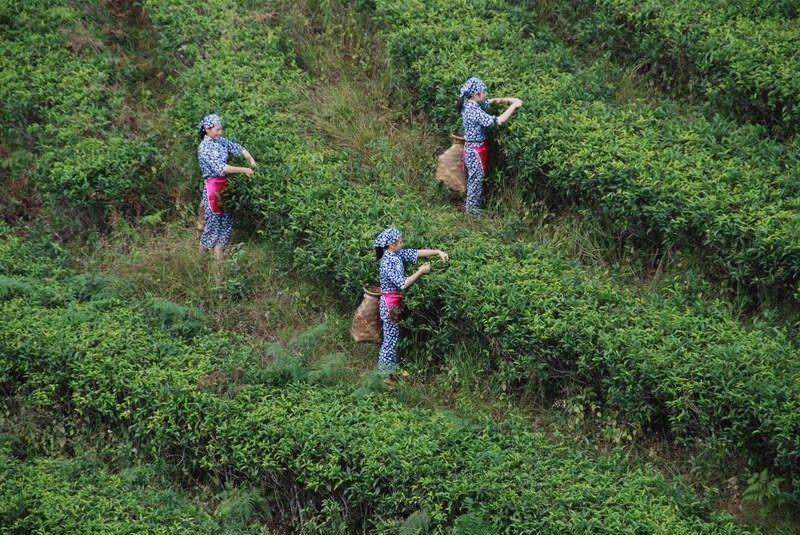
(476, 121)
(213, 155)
(391, 270)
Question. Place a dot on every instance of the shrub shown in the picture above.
(83, 496)
(365, 458)
(741, 55)
(60, 92)
(664, 172)
(654, 361)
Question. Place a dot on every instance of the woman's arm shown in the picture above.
(423, 269)
(231, 169)
(249, 158)
(235, 149)
(425, 253)
(506, 115)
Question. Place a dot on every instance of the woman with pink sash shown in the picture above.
(472, 104)
(212, 154)
(392, 261)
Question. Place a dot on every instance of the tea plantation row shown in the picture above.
(82, 495)
(661, 171)
(74, 342)
(742, 55)
(62, 91)
(693, 370)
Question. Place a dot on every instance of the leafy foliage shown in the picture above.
(59, 88)
(83, 496)
(742, 54)
(367, 460)
(656, 362)
(661, 171)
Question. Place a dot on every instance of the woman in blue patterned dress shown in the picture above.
(392, 260)
(212, 154)
(472, 104)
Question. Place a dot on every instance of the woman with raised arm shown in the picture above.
(392, 261)
(473, 105)
(212, 154)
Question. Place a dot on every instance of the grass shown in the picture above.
(251, 292)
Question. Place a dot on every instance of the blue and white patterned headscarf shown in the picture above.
(209, 121)
(387, 237)
(472, 86)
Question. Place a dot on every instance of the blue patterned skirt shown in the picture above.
(218, 229)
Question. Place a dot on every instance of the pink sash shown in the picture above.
(214, 188)
(483, 154)
(393, 299)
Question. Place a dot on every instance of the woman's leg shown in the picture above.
(208, 239)
(474, 166)
(217, 232)
(387, 357)
(224, 232)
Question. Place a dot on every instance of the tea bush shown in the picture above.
(664, 172)
(742, 55)
(654, 361)
(82, 495)
(364, 458)
(61, 93)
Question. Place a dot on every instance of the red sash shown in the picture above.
(393, 299)
(214, 188)
(483, 154)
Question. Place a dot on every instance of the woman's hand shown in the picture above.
(424, 269)
(506, 101)
(231, 170)
(512, 108)
(249, 158)
(444, 257)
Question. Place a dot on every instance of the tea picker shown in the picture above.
(463, 169)
(392, 261)
(212, 154)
